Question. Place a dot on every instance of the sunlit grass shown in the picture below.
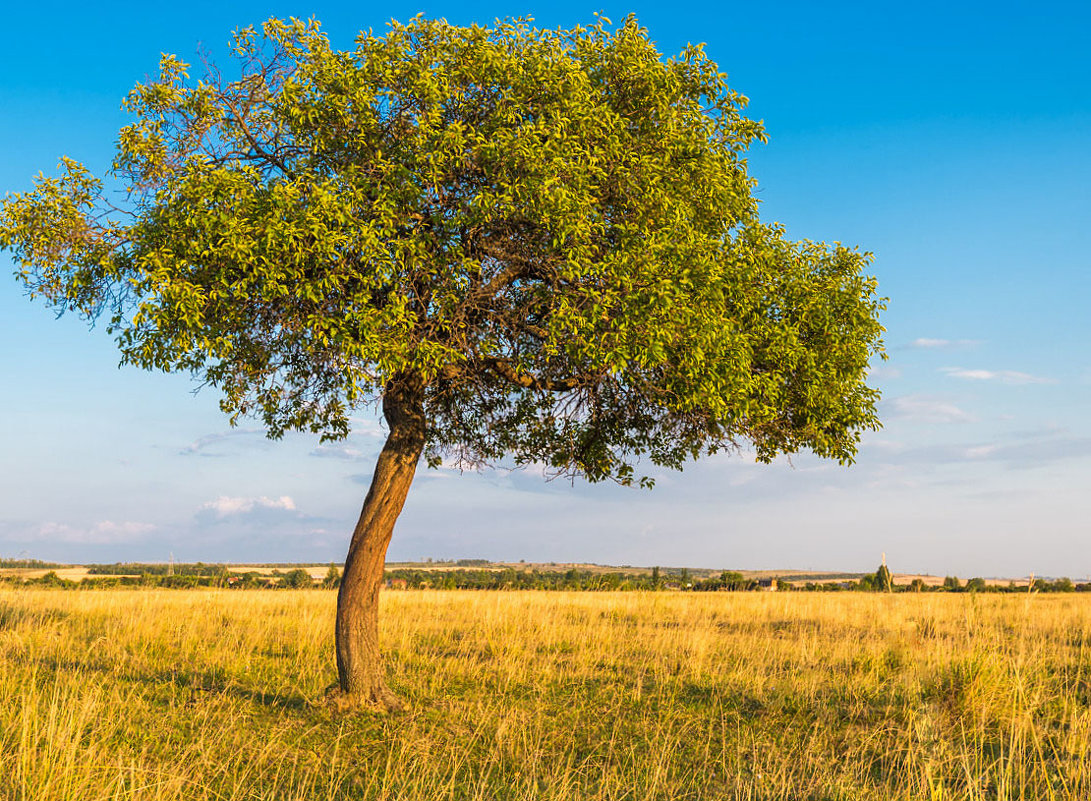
(207, 694)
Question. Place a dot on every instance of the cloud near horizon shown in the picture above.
(925, 409)
(202, 444)
(105, 532)
(259, 513)
(225, 506)
(930, 343)
(343, 452)
(1003, 376)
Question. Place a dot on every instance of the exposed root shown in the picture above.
(380, 700)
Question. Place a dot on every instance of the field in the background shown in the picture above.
(205, 695)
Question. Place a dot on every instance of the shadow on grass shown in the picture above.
(213, 682)
(12, 616)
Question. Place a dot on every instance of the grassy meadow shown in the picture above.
(143, 694)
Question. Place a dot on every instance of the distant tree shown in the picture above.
(246, 579)
(733, 580)
(297, 579)
(976, 584)
(51, 579)
(657, 579)
(540, 245)
(1062, 585)
(952, 584)
(883, 581)
(917, 585)
(332, 579)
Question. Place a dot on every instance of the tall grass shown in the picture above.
(207, 695)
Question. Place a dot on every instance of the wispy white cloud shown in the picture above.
(368, 427)
(883, 445)
(925, 409)
(202, 444)
(931, 343)
(344, 452)
(1033, 453)
(1003, 376)
(225, 506)
(1014, 452)
(261, 515)
(881, 371)
(105, 532)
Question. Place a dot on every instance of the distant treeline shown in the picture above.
(157, 569)
(572, 579)
(680, 580)
(31, 564)
(186, 576)
(882, 581)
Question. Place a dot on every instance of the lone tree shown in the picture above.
(532, 245)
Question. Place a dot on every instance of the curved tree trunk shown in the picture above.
(359, 663)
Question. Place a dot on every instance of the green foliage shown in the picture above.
(333, 578)
(732, 580)
(952, 584)
(297, 579)
(51, 579)
(552, 231)
(880, 581)
(33, 564)
(1060, 585)
(572, 579)
(156, 569)
(976, 584)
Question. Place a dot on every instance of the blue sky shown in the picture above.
(950, 141)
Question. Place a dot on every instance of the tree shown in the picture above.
(532, 245)
(297, 579)
(883, 581)
(332, 579)
(976, 584)
(733, 580)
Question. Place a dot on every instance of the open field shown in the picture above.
(139, 694)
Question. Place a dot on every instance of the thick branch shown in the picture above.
(503, 368)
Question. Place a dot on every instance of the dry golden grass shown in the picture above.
(205, 695)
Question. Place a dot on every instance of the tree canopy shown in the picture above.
(551, 233)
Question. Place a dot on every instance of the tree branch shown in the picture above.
(504, 369)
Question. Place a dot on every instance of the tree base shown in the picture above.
(379, 700)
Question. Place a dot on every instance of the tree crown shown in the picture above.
(549, 234)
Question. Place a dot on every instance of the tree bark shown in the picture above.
(360, 667)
